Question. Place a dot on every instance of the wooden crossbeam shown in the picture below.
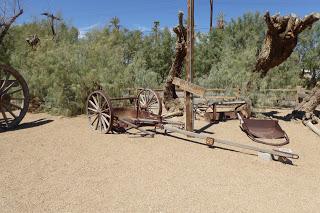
(189, 87)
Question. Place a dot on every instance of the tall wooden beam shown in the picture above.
(189, 66)
(211, 15)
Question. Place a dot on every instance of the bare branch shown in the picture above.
(308, 21)
(7, 20)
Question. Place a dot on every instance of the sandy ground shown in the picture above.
(54, 164)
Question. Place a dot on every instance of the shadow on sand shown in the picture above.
(273, 114)
(28, 125)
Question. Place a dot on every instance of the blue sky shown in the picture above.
(140, 14)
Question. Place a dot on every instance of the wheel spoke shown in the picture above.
(100, 123)
(141, 103)
(8, 88)
(97, 123)
(144, 99)
(89, 108)
(147, 94)
(107, 122)
(10, 93)
(106, 115)
(153, 107)
(99, 98)
(91, 115)
(10, 111)
(107, 110)
(92, 104)
(16, 106)
(151, 99)
(4, 82)
(94, 120)
(154, 101)
(95, 101)
(4, 116)
(103, 123)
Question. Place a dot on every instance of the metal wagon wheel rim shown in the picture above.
(149, 100)
(99, 112)
(14, 97)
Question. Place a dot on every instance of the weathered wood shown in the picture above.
(281, 39)
(230, 143)
(136, 127)
(309, 103)
(190, 87)
(52, 18)
(211, 15)
(124, 98)
(189, 66)
(309, 124)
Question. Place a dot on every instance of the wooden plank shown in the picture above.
(124, 98)
(189, 87)
(137, 127)
(230, 143)
(312, 127)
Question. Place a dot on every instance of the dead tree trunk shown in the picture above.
(307, 107)
(281, 39)
(5, 25)
(170, 98)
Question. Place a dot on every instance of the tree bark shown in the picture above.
(309, 104)
(281, 39)
(170, 100)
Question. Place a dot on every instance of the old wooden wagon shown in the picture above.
(146, 110)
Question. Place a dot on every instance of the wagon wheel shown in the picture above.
(99, 112)
(148, 100)
(14, 97)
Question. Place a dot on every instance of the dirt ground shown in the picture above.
(55, 164)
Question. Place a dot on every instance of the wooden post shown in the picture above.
(211, 15)
(189, 66)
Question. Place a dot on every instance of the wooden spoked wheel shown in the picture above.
(14, 97)
(149, 101)
(99, 112)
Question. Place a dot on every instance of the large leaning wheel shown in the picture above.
(14, 97)
(99, 112)
(149, 100)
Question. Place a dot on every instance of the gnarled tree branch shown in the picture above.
(281, 39)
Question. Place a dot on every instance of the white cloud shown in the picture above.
(142, 28)
(83, 30)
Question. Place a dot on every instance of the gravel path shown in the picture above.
(54, 164)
